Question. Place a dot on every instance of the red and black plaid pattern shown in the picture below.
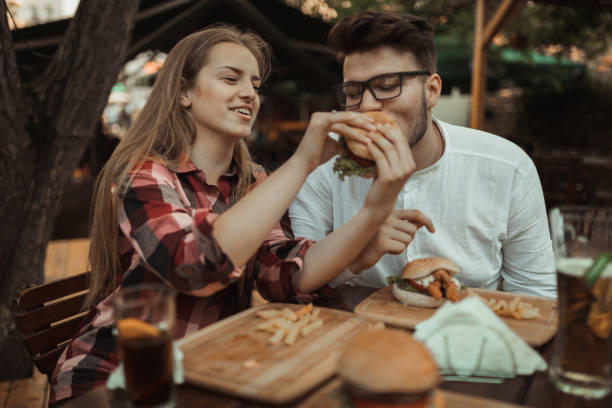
(166, 217)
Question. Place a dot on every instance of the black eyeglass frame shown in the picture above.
(366, 85)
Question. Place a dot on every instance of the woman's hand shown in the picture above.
(317, 147)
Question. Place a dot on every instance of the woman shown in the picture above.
(178, 183)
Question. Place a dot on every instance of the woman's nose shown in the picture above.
(248, 91)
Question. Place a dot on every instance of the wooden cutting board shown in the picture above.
(216, 356)
(382, 305)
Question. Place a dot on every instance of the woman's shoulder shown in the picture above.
(152, 169)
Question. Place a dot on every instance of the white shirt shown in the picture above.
(484, 198)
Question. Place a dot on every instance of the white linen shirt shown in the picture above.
(484, 198)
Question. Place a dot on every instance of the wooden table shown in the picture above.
(533, 391)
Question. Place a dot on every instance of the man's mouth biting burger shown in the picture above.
(356, 159)
(426, 282)
(388, 368)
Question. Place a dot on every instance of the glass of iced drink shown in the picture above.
(582, 356)
(145, 321)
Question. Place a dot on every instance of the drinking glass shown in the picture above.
(582, 354)
(145, 316)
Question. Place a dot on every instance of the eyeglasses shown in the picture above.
(382, 87)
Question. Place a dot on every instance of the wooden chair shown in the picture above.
(48, 315)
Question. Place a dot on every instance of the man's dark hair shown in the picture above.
(369, 29)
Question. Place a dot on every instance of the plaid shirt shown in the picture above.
(166, 218)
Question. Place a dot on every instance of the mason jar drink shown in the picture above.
(582, 355)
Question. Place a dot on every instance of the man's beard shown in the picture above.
(420, 126)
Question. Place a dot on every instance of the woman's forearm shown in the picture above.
(241, 229)
(331, 255)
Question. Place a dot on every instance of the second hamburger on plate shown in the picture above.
(427, 282)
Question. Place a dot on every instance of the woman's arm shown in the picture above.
(242, 229)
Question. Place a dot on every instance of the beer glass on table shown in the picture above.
(582, 355)
(145, 316)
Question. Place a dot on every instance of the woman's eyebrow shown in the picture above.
(239, 72)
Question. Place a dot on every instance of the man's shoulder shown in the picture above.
(464, 141)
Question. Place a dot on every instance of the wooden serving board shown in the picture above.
(382, 305)
(215, 356)
(331, 395)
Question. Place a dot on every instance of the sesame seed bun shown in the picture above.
(419, 268)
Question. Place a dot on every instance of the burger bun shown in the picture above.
(359, 149)
(388, 361)
(420, 268)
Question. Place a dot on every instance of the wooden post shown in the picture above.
(478, 68)
(482, 38)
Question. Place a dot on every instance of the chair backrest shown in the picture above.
(48, 315)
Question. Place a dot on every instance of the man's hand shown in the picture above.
(394, 235)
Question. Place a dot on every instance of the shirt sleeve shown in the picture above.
(173, 241)
(311, 211)
(528, 262)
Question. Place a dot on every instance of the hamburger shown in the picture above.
(426, 282)
(356, 159)
(388, 368)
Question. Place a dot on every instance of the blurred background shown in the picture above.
(548, 82)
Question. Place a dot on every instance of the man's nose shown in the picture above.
(368, 102)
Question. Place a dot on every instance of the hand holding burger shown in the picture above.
(427, 282)
(356, 159)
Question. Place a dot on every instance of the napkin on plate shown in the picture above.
(117, 380)
(468, 339)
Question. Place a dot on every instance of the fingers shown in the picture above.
(395, 136)
(415, 217)
(389, 150)
(330, 149)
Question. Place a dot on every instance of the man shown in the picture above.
(482, 192)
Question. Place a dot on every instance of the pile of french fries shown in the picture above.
(286, 325)
(514, 308)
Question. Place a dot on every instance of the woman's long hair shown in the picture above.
(163, 131)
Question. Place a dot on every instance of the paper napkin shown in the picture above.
(468, 339)
(117, 379)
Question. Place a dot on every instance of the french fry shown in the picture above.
(268, 314)
(304, 310)
(287, 325)
(292, 335)
(289, 314)
(278, 337)
(516, 308)
(312, 327)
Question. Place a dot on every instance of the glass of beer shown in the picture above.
(145, 316)
(582, 355)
